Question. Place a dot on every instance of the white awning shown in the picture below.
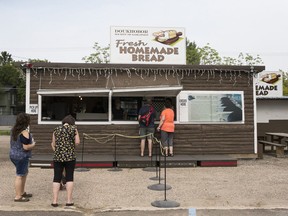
(74, 92)
(167, 91)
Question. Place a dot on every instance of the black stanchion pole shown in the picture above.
(157, 177)
(115, 163)
(165, 203)
(160, 186)
(165, 177)
(81, 168)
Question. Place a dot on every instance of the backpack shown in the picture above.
(145, 119)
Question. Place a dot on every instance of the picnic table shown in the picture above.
(274, 140)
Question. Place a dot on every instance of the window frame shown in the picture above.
(169, 91)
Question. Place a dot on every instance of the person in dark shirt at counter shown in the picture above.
(146, 131)
(118, 112)
(98, 108)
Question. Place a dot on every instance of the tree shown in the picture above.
(249, 59)
(9, 75)
(13, 76)
(285, 82)
(5, 58)
(37, 60)
(193, 54)
(210, 56)
(101, 55)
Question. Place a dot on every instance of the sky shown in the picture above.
(66, 30)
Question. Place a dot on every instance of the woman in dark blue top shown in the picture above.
(21, 144)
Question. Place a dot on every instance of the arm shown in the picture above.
(28, 146)
(140, 114)
(162, 119)
(77, 138)
(53, 143)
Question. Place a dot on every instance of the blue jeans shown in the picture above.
(21, 166)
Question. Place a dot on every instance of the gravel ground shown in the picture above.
(252, 184)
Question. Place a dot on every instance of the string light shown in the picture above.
(181, 74)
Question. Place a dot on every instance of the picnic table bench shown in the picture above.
(279, 148)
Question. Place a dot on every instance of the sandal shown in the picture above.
(22, 199)
(54, 204)
(69, 204)
(26, 195)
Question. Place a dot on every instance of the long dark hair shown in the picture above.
(22, 122)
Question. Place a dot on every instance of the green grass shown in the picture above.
(4, 132)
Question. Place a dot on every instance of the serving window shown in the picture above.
(101, 106)
(55, 108)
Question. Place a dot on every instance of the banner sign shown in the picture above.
(269, 84)
(147, 45)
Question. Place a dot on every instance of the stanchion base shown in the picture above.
(165, 204)
(115, 169)
(82, 169)
(156, 178)
(159, 187)
(149, 169)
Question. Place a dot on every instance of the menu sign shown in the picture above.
(211, 106)
(147, 45)
(33, 109)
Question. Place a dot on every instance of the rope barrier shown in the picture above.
(109, 137)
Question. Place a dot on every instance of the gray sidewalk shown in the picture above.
(179, 212)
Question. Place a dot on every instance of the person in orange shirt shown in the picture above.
(167, 128)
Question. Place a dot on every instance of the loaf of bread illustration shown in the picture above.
(167, 37)
(270, 78)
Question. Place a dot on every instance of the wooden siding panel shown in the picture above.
(189, 138)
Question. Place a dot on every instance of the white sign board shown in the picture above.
(211, 106)
(269, 84)
(33, 109)
(147, 45)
